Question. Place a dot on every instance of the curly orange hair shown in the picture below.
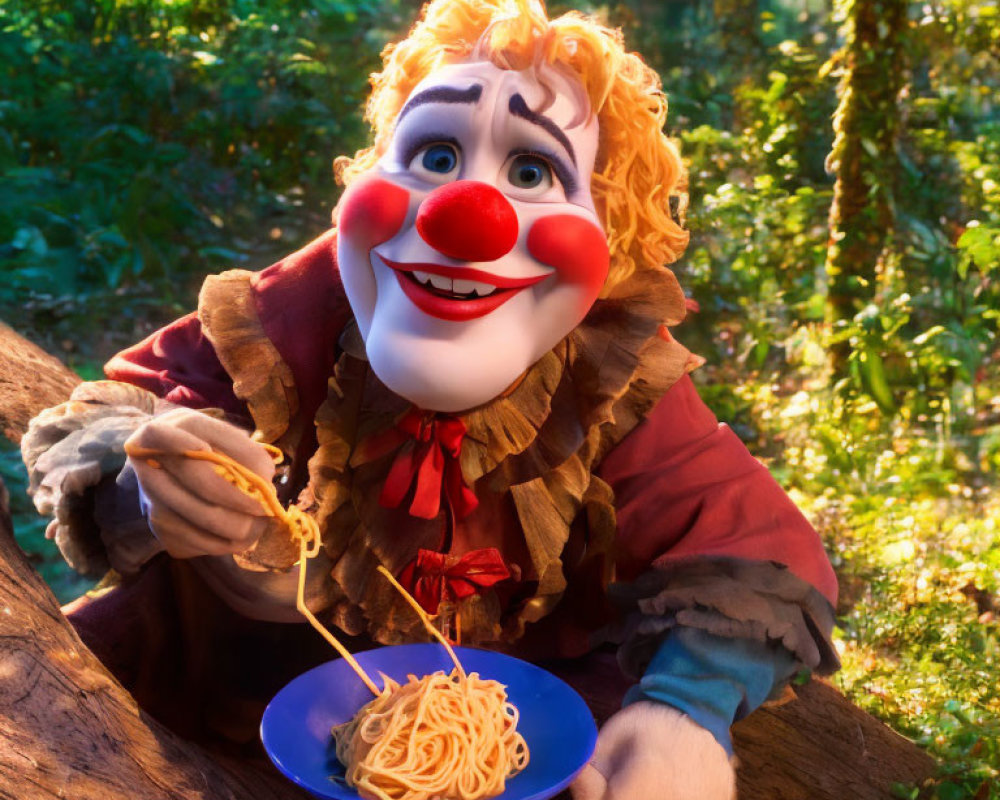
(638, 168)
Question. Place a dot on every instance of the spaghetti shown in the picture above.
(445, 736)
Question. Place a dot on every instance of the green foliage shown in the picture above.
(146, 144)
(979, 248)
(912, 523)
(896, 460)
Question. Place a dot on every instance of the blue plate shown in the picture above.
(555, 722)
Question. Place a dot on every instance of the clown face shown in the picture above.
(473, 246)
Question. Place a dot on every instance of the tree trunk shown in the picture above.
(30, 381)
(863, 158)
(69, 729)
(817, 745)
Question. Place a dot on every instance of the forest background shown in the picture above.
(844, 270)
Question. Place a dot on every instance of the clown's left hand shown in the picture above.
(650, 749)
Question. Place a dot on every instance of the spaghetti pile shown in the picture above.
(447, 736)
(443, 736)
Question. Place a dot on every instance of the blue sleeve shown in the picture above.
(713, 679)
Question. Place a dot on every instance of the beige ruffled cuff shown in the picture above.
(729, 597)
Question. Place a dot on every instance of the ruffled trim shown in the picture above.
(70, 449)
(537, 445)
(533, 449)
(260, 376)
(730, 597)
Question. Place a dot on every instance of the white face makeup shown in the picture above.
(473, 246)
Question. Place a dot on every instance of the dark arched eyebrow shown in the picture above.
(519, 108)
(442, 94)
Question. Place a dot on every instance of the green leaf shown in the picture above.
(222, 254)
(929, 334)
(873, 376)
(979, 245)
(871, 148)
(30, 240)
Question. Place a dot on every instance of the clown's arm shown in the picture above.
(730, 590)
(173, 392)
(79, 474)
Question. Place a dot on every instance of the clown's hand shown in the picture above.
(650, 749)
(190, 508)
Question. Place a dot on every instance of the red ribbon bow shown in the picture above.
(429, 462)
(433, 578)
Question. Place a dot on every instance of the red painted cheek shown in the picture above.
(372, 211)
(575, 247)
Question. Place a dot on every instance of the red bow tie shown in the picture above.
(429, 462)
(433, 578)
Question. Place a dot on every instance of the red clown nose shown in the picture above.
(468, 221)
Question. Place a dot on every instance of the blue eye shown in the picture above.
(440, 158)
(528, 172)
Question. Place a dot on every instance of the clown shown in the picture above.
(473, 381)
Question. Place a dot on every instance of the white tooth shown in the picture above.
(440, 282)
(483, 289)
(464, 287)
(422, 277)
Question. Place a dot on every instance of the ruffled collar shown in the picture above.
(529, 455)
(535, 447)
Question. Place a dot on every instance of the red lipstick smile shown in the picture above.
(486, 292)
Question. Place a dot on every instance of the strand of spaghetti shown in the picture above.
(300, 525)
(300, 604)
(424, 617)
